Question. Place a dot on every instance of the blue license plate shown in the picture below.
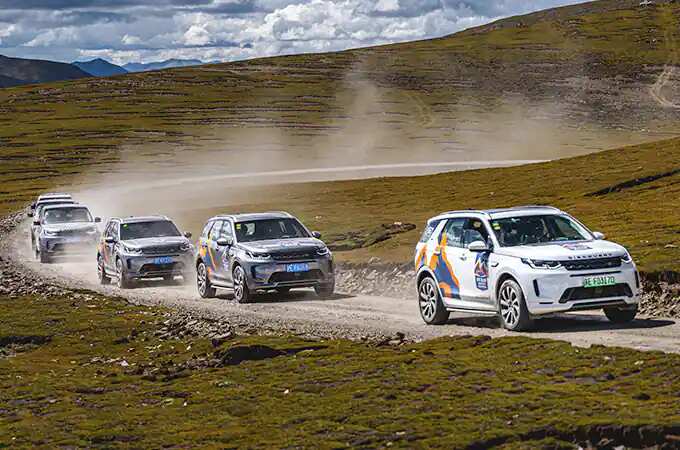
(163, 260)
(299, 267)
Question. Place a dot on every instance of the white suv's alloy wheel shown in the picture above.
(510, 305)
(428, 301)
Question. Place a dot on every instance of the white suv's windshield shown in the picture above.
(66, 215)
(528, 230)
(148, 229)
(262, 230)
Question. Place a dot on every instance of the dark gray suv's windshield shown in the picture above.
(262, 230)
(528, 230)
(141, 230)
(66, 215)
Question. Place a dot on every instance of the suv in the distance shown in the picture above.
(63, 230)
(520, 263)
(136, 248)
(257, 252)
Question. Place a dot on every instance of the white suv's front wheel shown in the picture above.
(512, 308)
(432, 309)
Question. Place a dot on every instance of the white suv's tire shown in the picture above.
(512, 307)
(432, 309)
(618, 315)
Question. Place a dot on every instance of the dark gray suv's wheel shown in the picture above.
(205, 289)
(325, 290)
(432, 309)
(241, 292)
(101, 271)
(512, 308)
(619, 315)
(123, 281)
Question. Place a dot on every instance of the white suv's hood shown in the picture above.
(563, 251)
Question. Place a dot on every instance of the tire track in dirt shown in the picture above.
(656, 90)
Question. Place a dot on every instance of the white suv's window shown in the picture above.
(429, 229)
(528, 230)
(454, 232)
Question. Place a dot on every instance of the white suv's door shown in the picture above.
(448, 261)
(474, 266)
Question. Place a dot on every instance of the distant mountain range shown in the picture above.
(167, 64)
(18, 71)
(100, 68)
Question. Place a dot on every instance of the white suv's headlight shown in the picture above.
(626, 258)
(92, 230)
(542, 264)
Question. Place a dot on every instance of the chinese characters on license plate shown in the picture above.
(299, 267)
(599, 281)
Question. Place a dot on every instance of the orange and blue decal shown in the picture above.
(449, 285)
(482, 271)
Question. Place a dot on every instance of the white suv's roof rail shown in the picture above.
(489, 212)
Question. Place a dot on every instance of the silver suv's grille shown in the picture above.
(73, 233)
(161, 249)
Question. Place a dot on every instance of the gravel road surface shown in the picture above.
(346, 315)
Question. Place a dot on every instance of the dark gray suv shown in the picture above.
(258, 252)
(136, 248)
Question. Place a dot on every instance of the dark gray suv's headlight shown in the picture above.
(185, 247)
(258, 256)
(322, 251)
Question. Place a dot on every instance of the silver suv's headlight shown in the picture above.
(131, 250)
(92, 230)
(322, 251)
(50, 233)
(542, 264)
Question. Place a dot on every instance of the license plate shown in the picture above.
(600, 281)
(163, 260)
(299, 267)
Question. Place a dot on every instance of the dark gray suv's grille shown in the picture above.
(592, 264)
(290, 256)
(161, 249)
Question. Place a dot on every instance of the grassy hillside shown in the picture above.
(580, 66)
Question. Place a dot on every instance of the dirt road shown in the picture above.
(352, 316)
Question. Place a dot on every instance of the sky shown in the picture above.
(123, 31)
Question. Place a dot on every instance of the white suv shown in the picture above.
(518, 263)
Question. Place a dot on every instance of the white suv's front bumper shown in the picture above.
(551, 291)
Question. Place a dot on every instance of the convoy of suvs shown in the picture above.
(515, 263)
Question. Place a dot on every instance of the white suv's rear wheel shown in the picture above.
(512, 309)
(432, 309)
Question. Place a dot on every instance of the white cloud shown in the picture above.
(238, 29)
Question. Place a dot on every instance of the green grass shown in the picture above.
(451, 392)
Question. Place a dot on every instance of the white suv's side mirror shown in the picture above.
(598, 236)
(478, 246)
